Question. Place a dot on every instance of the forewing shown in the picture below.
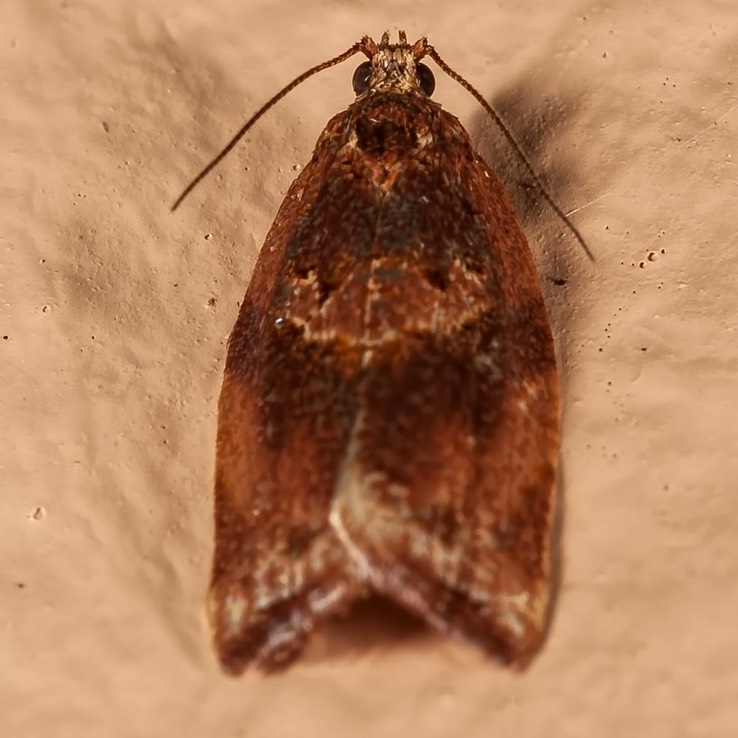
(286, 409)
(447, 491)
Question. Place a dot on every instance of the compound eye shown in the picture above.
(361, 78)
(426, 79)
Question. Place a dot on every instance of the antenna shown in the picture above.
(433, 54)
(420, 49)
(358, 46)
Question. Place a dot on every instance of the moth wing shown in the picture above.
(447, 492)
(284, 419)
(419, 459)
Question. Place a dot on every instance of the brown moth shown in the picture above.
(389, 416)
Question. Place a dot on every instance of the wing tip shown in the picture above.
(272, 638)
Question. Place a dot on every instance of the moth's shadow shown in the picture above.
(536, 123)
(372, 625)
(557, 557)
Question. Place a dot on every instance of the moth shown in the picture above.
(389, 416)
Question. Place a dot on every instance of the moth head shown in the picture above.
(393, 67)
